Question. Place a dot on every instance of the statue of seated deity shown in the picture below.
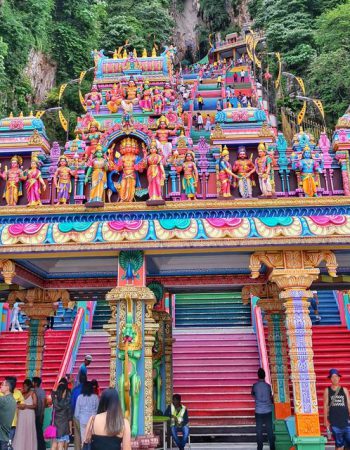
(93, 99)
(114, 98)
(168, 94)
(131, 96)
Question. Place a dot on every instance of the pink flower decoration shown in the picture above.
(220, 223)
(25, 228)
(120, 225)
(324, 221)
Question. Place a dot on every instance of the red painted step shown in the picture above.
(55, 346)
(208, 374)
(13, 355)
(96, 344)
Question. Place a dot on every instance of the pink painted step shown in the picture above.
(97, 345)
(13, 355)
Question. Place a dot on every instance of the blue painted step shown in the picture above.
(211, 310)
(327, 309)
(64, 318)
(101, 316)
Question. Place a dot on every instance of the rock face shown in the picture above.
(187, 19)
(41, 71)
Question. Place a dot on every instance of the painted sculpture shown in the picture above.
(129, 384)
(162, 134)
(157, 375)
(34, 182)
(98, 170)
(225, 174)
(244, 168)
(129, 165)
(13, 178)
(93, 99)
(310, 167)
(62, 180)
(131, 96)
(114, 98)
(190, 176)
(93, 138)
(168, 94)
(155, 175)
(264, 170)
(158, 102)
(146, 102)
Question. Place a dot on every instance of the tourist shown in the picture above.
(15, 325)
(25, 437)
(7, 412)
(219, 82)
(337, 411)
(200, 121)
(86, 407)
(208, 123)
(17, 395)
(242, 76)
(218, 105)
(194, 121)
(96, 387)
(200, 102)
(244, 101)
(108, 430)
(83, 367)
(178, 421)
(314, 305)
(74, 397)
(262, 393)
(62, 415)
(39, 412)
(235, 77)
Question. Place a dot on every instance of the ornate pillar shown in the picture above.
(294, 271)
(132, 330)
(271, 304)
(38, 304)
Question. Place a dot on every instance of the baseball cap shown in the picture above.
(88, 357)
(333, 372)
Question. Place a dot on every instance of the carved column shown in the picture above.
(294, 271)
(38, 304)
(132, 330)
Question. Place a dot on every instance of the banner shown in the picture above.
(63, 120)
(81, 98)
(301, 84)
(278, 80)
(39, 114)
(62, 89)
(319, 105)
(301, 114)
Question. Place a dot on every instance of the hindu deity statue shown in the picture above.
(34, 182)
(162, 137)
(244, 168)
(155, 175)
(93, 137)
(13, 178)
(264, 169)
(129, 164)
(190, 177)
(310, 169)
(158, 102)
(114, 98)
(62, 181)
(146, 102)
(225, 174)
(98, 167)
(131, 96)
(94, 99)
(168, 94)
(129, 383)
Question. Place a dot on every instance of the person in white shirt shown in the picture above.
(15, 325)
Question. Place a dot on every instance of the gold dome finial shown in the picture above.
(144, 53)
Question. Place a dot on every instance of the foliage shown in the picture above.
(313, 37)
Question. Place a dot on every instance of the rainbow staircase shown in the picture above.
(95, 343)
(55, 346)
(224, 309)
(213, 372)
(102, 315)
(13, 355)
(327, 308)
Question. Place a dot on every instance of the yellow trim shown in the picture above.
(176, 206)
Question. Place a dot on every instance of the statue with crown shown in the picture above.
(224, 174)
(127, 165)
(13, 177)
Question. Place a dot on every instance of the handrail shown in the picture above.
(348, 315)
(264, 360)
(5, 324)
(341, 306)
(72, 344)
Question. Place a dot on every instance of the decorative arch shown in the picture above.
(109, 138)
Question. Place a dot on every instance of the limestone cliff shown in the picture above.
(41, 71)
